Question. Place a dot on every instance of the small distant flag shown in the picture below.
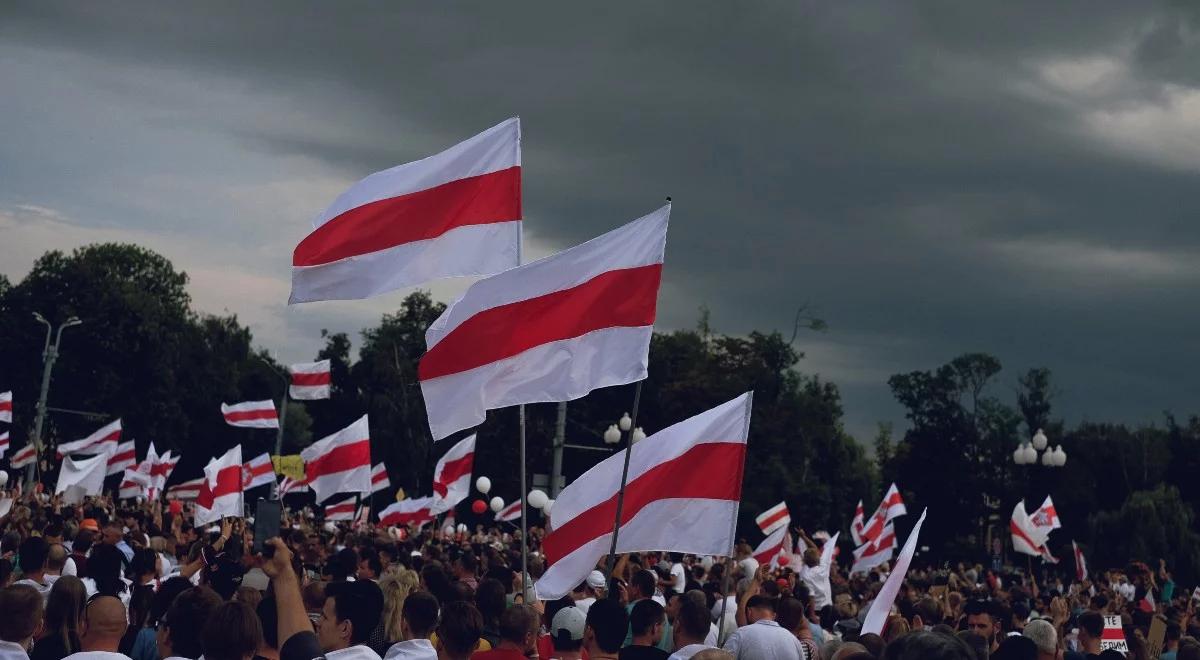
(259, 471)
(3, 444)
(103, 440)
(773, 518)
(341, 511)
(251, 414)
(24, 457)
(510, 513)
(310, 380)
(123, 458)
(379, 478)
(6, 407)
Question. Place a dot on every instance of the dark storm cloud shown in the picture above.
(934, 178)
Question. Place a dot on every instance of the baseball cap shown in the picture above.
(596, 580)
(569, 620)
(90, 523)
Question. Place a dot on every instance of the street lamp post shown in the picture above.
(49, 356)
(283, 403)
(1027, 453)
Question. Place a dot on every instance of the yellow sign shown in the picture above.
(400, 496)
(291, 466)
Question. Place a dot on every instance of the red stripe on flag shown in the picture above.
(250, 415)
(700, 473)
(229, 481)
(618, 298)
(1016, 529)
(422, 215)
(452, 471)
(776, 517)
(340, 459)
(311, 380)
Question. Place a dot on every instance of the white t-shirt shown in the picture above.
(356, 652)
(413, 649)
(679, 578)
(764, 640)
(688, 651)
(97, 655)
(12, 651)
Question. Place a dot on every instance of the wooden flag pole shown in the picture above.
(612, 549)
(524, 525)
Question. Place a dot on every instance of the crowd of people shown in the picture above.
(100, 581)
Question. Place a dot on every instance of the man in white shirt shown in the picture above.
(351, 612)
(763, 639)
(593, 588)
(690, 629)
(21, 609)
(815, 572)
(103, 626)
(420, 617)
(33, 554)
(678, 573)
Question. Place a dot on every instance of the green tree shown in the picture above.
(1150, 524)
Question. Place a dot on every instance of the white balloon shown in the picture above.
(3, 477)
(537, 499)
(549, 505)
(462, 527)
(496, 504)
(483, 484)
(448, 529)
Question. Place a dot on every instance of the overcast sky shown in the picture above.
(1015, 178)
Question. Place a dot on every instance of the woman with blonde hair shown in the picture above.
(396, 583)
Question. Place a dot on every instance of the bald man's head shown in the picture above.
(104, 624)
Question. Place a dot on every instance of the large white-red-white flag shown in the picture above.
(890, 508)
(452, 214)
(24, 456)
(407, 512)
(1081, 571)
(258, 471)
(3, 444)
(340, 463)
(510, 513)
(773, 518)
(310, 380)
(123, 457)
(103, 441)
(340, 511)
(881, 607)
(251, 414)
(221, 491)
(186, 490)
(857, 525)
(776, 544)
(876, 551)
(551, 330)
(452, 475)
(80, 477)
(379, 478)
(682, 495)
(6, 405)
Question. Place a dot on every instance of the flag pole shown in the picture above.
(612, 548)
(524, 505)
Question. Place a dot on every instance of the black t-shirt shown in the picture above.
(52, 648)
(301, 646)
(642, 653)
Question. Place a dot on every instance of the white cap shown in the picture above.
(571, 620)
(749, 565)
(596, 580)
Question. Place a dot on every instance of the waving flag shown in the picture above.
(1045, 518)
(6, 404)
(890, 508)
(124, 456)
(682, 495)
(856, 525)
(341, 511)
(25, 456)
(379, 478)
(310, 380)
(881, 607)
(773, 518)
(1081, 571)
(407, 512)
(510, 513)
(876, 551)
(3, 444)
(258, 472)
(134, 484)
(1028, 538)
(340, 463)
(80, 477)
(102, 441)
(452, 214)
(551, 330)
(251, 414)
(288, 485)
(187, 490)
(160, 471)
(221, 491)
(452, 476)
(767, 553)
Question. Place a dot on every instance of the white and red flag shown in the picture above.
(6, 407)
(890, 508)
(379, 478)
(857, 525)
(25, 456)
(682, 495)
(104, 440)
(1081, 571)
(123, 457)
(80, 477)
(3, 444)
(773, 518)
(221, 491)
(1046, 517)
(161, 471)
(876, 551)
(343, 510)
(310, 380)
(259, 471)
(134, 484)
(881, 607)
(187, 490)
(551, 330)
(510, 513)
(407, 512)
(251, 414)
(340, 463)
(289, 485)
(1028, 538)
(453, 214)
(452, 476)
(777, 543)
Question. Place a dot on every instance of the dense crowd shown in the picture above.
(98, 581)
